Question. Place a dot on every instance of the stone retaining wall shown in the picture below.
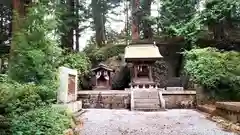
(105, 99)
(114, 99)
(229, 110)
(180, 99)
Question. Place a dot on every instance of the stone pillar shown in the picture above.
(67, 91)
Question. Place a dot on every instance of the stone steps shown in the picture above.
(146, 94)
(149, 110)
(145, 100)
(147, 105)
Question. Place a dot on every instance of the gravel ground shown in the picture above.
(171, 122)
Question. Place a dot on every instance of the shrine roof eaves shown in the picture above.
(142, 51)
(101, 65)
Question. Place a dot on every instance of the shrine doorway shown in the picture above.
(102, 81)
(143, 71)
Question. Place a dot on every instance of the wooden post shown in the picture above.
(96, 83)
(135, 71)
(109, 79)
(150, 72)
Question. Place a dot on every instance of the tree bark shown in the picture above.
(99, 20)
(147, 30)
(135, 19)
(18, 7)
(77, 26)
(70, 44)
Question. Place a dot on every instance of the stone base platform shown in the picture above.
(229, 110)
(120, 99)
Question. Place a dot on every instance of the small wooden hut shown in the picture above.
(102, 77)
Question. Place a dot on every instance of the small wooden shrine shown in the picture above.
(141, 53)
(142, 56)
(102, 77)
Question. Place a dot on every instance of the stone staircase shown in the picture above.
(147, 100)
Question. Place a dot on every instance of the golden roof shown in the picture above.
(142, 51)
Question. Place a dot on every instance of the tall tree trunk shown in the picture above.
(147, 30)
(135, 20)
(127, 21)
(18, 7)
(99, 20)
(71, 5)
(77, 25)
(68, 25)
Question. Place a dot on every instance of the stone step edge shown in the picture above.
(149, 109)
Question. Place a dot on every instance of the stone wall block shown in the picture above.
(121, 100)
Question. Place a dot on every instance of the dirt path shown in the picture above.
(171, 122)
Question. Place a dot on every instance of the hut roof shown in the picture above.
(142, 51)
(103, 66)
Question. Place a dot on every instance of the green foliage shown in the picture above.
(73, 16)
(179, 18)
(6, 17)
(19, 98)
(121, 79)
(28, 107)
(6, 92)
(217, 17)
(29, 90)
(222, 18)
(205, 65)
(99, 10)
(35, 53)
(97, 55)
(176, 13)
(25, 99)
(220, 10)
(42, 121)
(77, 61)
(215, 70)
(113, 50)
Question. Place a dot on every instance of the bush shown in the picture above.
(27, 106)
(78, 61)
(216, 71)
(24, 98)
(97, 55)
(18, 98)
(112, 50)
(42, 121)
(27, 96)
(35, 54)
(7, 92)
(121, 79)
